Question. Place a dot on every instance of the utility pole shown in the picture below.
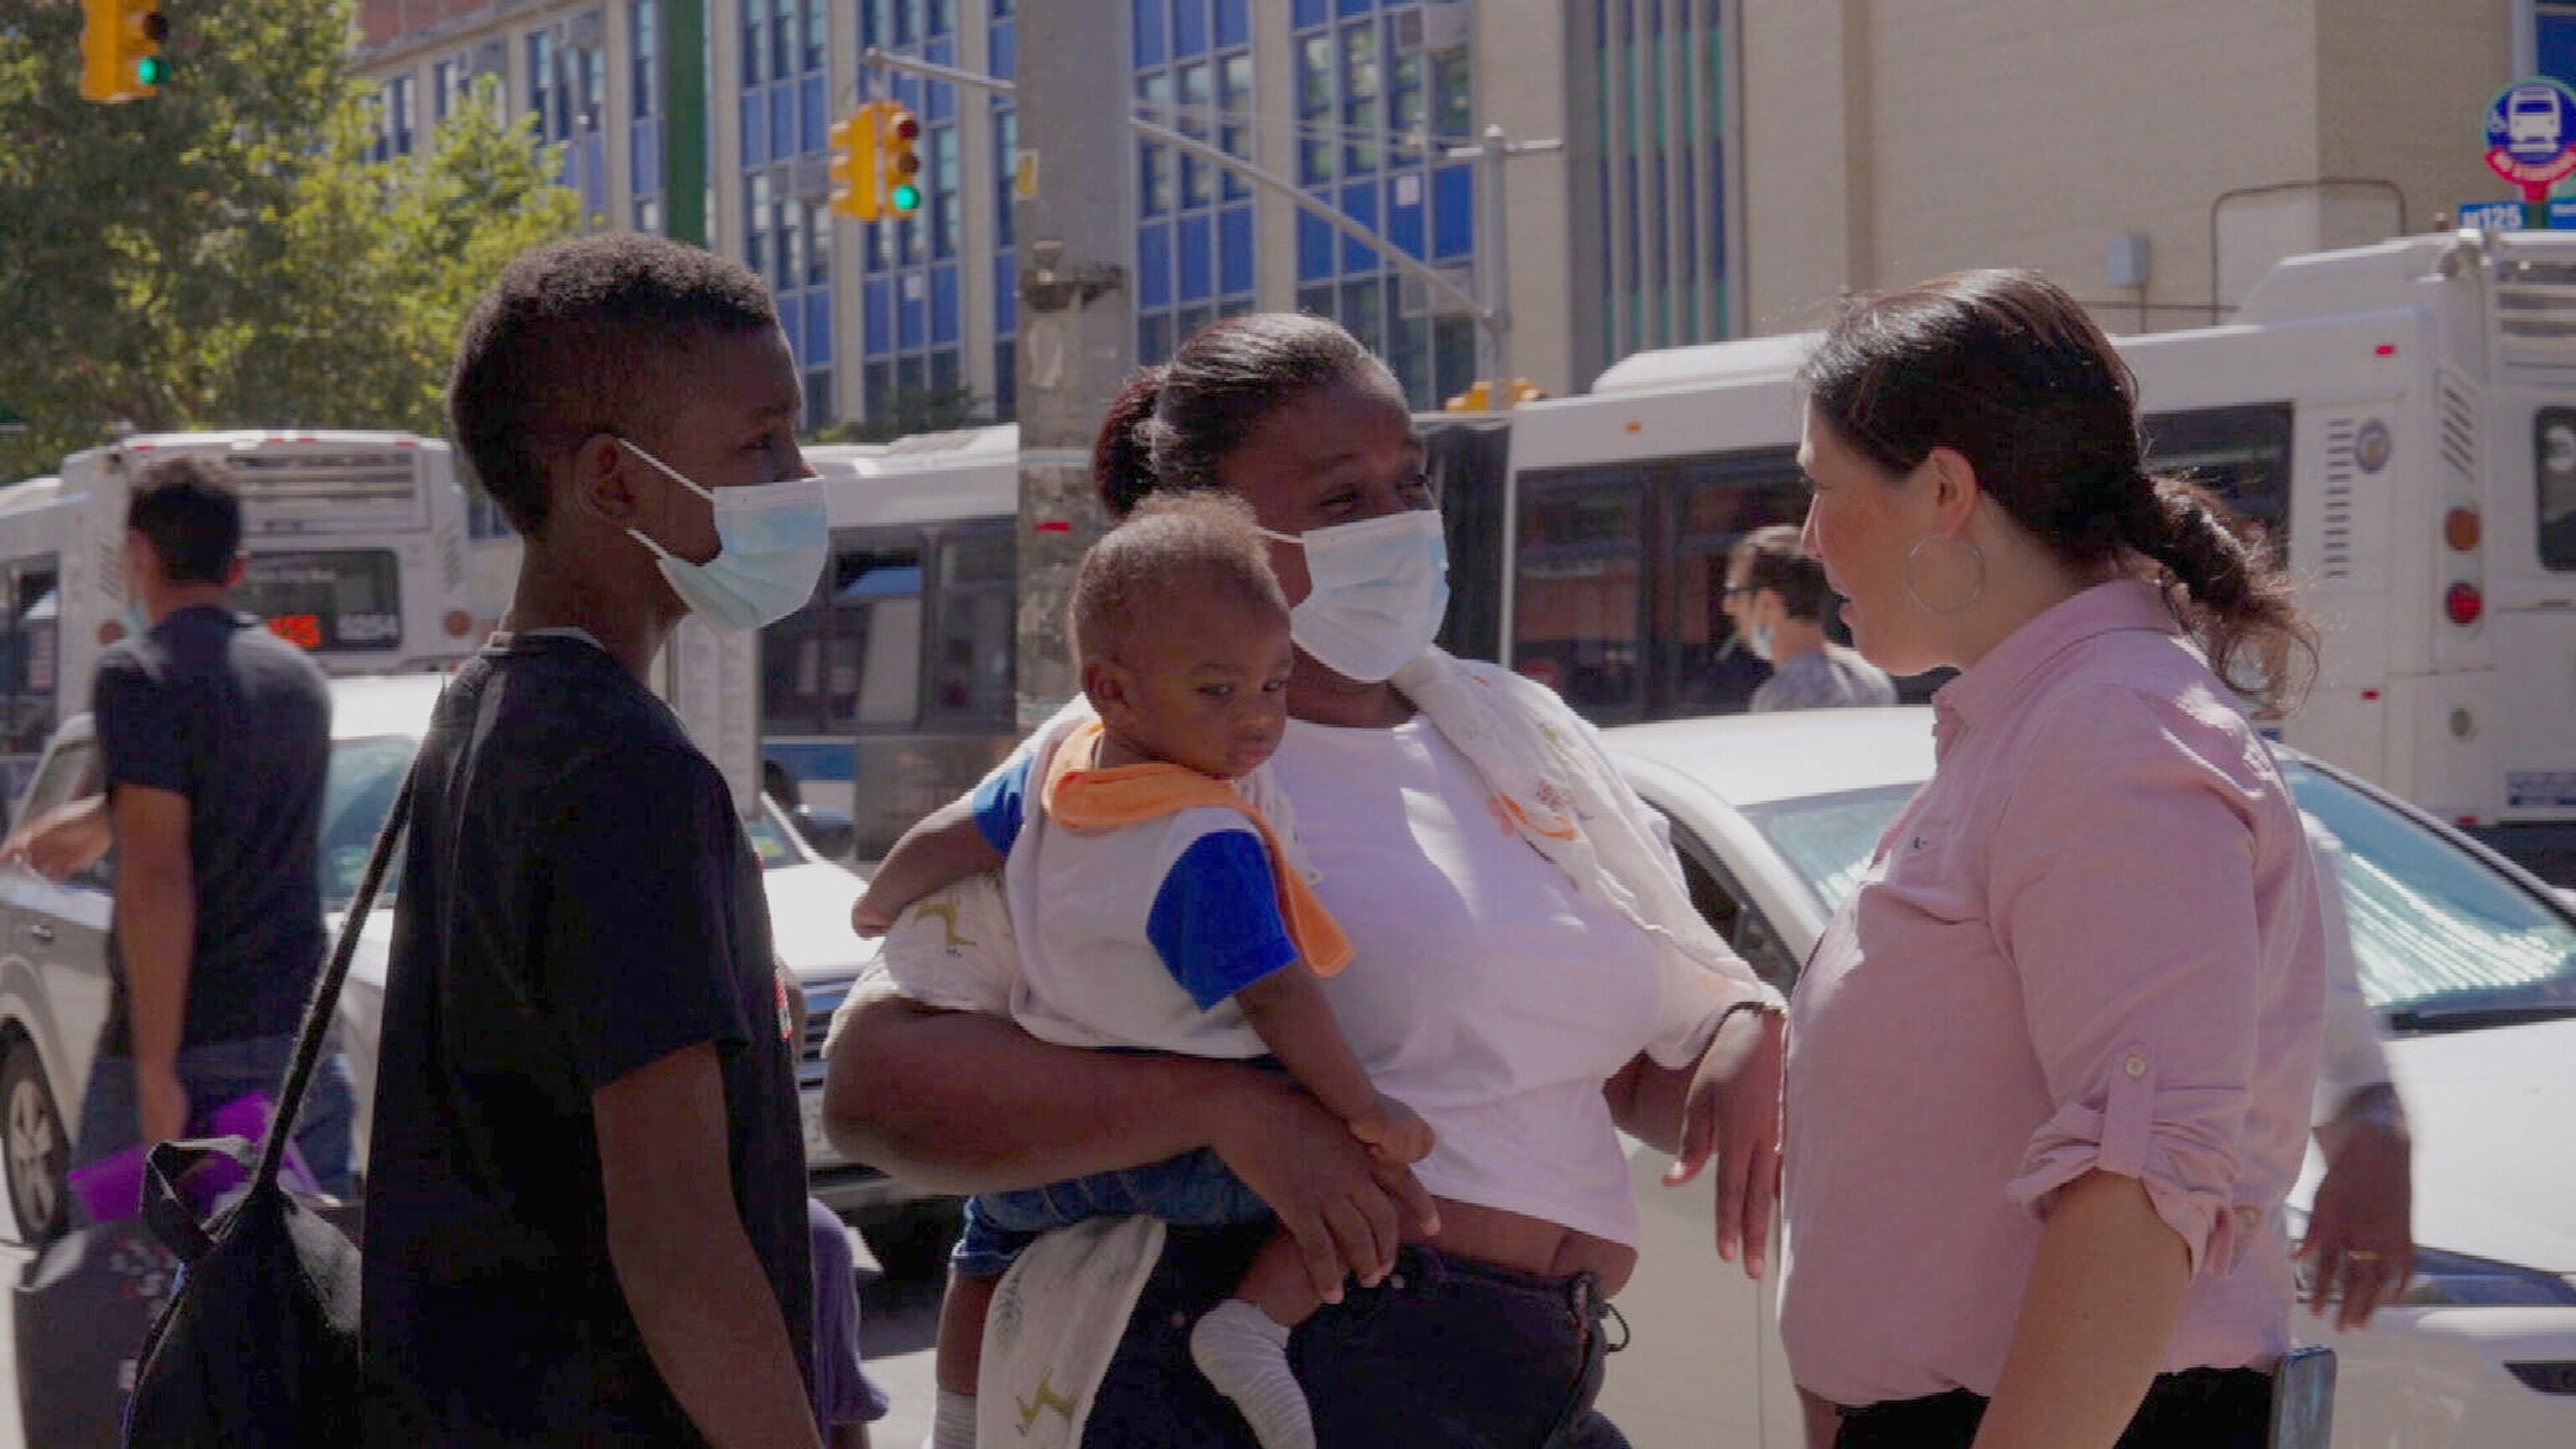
(1077, 335)
(684, 121)
(1493, 258)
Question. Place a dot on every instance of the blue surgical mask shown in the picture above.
(137, 622)
(772, 539)
(1379, 589)
(1757, 637)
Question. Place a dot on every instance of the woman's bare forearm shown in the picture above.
(2103, 1298)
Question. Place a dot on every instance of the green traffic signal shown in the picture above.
(152, 70)
(906, 198)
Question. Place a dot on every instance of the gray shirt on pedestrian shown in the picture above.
(1827, 678)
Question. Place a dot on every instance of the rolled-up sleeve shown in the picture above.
(2124, 896)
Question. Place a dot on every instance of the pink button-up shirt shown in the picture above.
(2090, 942)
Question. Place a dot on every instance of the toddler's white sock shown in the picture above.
(952, 1423)
(1245, 1355)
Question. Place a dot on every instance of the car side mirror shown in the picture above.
(831, 832)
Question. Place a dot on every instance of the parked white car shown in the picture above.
(53, 954)
(2471, 961)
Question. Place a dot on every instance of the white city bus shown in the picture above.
(355, 544)
(2401, 416)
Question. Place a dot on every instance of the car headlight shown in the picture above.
(2456, 1280)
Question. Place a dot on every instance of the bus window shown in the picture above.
(34, 658)
(344, 599)
(872, 657)
(2554, 438)
(2242, 454)
(791, 672)
(972, 658)
(1716, 501)
(1579, 592)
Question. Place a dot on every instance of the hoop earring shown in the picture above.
(1975, 556)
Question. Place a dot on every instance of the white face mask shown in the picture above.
(772, 541)
(1757, 638)
(1379, 589)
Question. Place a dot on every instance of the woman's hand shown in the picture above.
(2360, 1243)
(1346, 1211)
(1733, 1111)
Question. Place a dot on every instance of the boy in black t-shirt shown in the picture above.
(586, 1211)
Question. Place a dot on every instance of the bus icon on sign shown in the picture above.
(2531, 119)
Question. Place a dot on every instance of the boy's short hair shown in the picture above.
(189, 512)
(567, 344)
(1777, 560)
(1174, 554)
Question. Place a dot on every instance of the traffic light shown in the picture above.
(121, 56)
(1478, 397)
(854, 164)
(898, 158)
(1523, 390)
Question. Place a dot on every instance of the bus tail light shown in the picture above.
(2461, 529)
(2464, 603)
(459, 623)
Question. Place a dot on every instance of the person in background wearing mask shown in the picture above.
(1781, 615)
(216, 736)
(1528, 975)
(586, 1210)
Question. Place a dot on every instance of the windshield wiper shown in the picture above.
(2471, 1018)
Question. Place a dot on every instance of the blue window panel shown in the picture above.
(1306, 12)
(1150, 50)
(1359, 202)
(943, 98)
(2556, 33)
(1404, 221)
(1006, 294)
(1234, 250)
(755, 131)
(1189, 28)
(1004, 51)
(816, 114)
(594, 172)
(944, 316)
(907, 92)
(1154, 264)
(1453, 211)
(782, 121)
(1314, 248)
(1198, 264)
(911, 314)
(879, 297)
(647, 157)
(1358, 7)
(1233, 23)
(818, 328)
(791, 321)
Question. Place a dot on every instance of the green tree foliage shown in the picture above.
(224, 254)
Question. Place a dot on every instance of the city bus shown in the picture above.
(2399, 418)
(355, 545)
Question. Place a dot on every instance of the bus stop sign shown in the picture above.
(2531, 137)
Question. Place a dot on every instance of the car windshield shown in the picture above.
(2440, 937)
(1827, 839)
(356, 797)
(366, 773)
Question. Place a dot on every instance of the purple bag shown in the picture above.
(111, 1189)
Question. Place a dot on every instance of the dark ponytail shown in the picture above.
(1174, 424)
(1122, 464)
(2009, 371)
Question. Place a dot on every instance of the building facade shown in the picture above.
(1357, 103)
(1728, 168)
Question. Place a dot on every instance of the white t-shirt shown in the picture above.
(1484, 991)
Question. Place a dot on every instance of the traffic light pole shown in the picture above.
(1486, 313)
(1493, 254)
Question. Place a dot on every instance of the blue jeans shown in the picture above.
(1195, 1189)
(213, 1074)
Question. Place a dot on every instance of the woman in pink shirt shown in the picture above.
(2051, 1065)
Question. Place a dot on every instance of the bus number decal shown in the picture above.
(370, 628)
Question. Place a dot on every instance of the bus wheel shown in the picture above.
(38, 1150)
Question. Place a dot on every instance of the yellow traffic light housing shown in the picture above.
(1523, 390)
(898, 158)
(1478, 397)
(855, 190)
(121, 56)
